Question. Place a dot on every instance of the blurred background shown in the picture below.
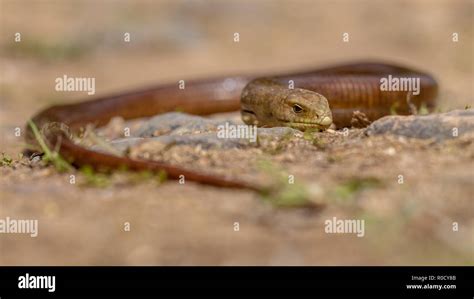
(174, 40)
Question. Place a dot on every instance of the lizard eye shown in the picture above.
(297, 108)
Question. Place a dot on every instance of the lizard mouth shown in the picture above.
(321, 125)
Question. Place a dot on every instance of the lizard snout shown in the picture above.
(325, 120)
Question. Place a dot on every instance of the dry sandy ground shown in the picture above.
(171, 224)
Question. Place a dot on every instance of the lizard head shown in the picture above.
(304, 109)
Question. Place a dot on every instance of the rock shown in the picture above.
(122, 144)
(174, 129)
(439, 127)
(177, 123)
(278, 132)
(206, 140)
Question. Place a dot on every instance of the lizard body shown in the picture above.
(303, 100)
